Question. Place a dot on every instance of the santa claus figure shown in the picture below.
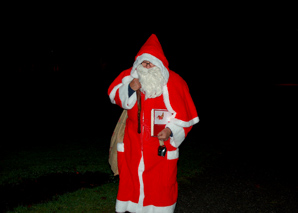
(148, 181)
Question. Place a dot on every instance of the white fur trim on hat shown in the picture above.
(153, 60)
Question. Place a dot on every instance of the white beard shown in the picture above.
(151, 80)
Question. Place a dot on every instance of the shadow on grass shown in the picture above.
(46, 187)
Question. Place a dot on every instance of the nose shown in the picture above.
(148, 66)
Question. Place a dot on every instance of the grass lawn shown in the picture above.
(98, 199)
(87, 155)
(70, 157)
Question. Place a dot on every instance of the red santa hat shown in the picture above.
(152, 51)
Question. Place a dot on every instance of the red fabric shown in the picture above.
(159, 176)
(116, 82)
(153, 47)
(158, 189)
(180, 98)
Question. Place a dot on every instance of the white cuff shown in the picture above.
(178, 134)
(127, 102)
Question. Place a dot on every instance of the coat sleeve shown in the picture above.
(118, 91)
(179, 101)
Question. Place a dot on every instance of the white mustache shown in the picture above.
(151, 80)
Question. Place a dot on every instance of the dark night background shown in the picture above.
(239, 65)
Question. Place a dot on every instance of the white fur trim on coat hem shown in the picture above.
(123, 206)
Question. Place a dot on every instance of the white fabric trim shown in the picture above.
(153, 60)
(141, 169)
(166, 100)
(174, 120)
(120, 147)
(159, 209)
(173, 154)
(185, 123)
(178, 134)
(127, 102)
(113, 93)
(122, 206)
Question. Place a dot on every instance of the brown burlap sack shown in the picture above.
(117, 137)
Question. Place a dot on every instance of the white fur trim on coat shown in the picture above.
(141, 170)
(122, 206)
(127, 102)
(174, 120)
(186, 123)
(172, 155)
(178, 134)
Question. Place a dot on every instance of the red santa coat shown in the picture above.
(148, 182)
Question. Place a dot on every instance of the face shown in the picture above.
(147, 64)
